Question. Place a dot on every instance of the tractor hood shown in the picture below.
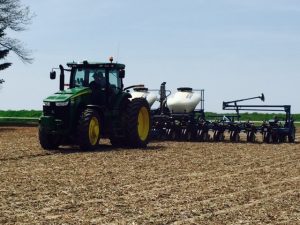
(66, 95)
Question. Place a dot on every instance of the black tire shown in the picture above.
(231, 136)
(282, 139)
(159, 135)
(88, 130)
(218, 136)
(292, 135)
(168, 131)
(173, 135)
(251, 137)
(205, 136)
(215, 136)
(186, 135)
(265, 137)
(138, 123)
(235, 137)
(190, 136)
(275, 138)
(198, 135)
(222, 136)
(48, 141)
(163, 135)
(268, 138)
(121, 142)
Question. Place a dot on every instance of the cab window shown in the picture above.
(83, 77)
(114, 80)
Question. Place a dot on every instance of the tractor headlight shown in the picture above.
(61, 103)
(46, 103)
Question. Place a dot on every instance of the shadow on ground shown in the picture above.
(5, 129)
(104, 148)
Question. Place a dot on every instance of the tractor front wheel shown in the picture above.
(88, 130)
(48, 141)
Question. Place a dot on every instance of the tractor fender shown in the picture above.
(99, 109)
(125, 96)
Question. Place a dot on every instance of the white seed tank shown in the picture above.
(185, 100)
(144, 93)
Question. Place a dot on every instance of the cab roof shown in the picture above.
(96, 65)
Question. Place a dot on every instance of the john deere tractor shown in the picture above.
(89, 110)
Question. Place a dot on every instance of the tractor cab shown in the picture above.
(104, 79)
(83, 74)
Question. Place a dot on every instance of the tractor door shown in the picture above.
(114, 87)
(94, 78)
(98, 84)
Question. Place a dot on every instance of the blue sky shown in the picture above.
(231, 48)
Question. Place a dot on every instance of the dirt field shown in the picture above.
(169, 183)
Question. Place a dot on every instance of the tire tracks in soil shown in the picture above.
(159, 189)
(195, 219)
(199, 175)
(25, 157)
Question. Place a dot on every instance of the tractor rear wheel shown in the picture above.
(88, 130)
(117, 140)
(138, 123)
(48, 141)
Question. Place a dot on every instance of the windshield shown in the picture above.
(83, 77)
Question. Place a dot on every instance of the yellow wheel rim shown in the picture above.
(143, 123)
(94, 130)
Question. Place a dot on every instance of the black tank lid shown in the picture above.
(188, 89)
(140, 89)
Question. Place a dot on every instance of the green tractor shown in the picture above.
(94, 105)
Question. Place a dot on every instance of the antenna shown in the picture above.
(118, 52)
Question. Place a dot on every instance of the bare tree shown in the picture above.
(15, 17)
(3, 54)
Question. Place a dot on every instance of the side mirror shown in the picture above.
(52, 75)
(121, 73)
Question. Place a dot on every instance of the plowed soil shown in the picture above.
(168, 183)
